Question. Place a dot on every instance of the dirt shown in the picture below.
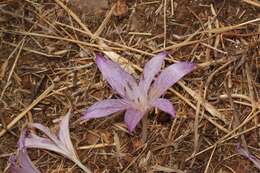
(137, 25)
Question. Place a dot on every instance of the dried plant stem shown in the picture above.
(236, 116)
(210, 158)
(15, 61)
(196, 131)
(254, 3)
(22, 114)
(144, 130)
(229, 135)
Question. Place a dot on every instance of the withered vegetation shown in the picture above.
(47, 66)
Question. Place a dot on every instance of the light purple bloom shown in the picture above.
(60, 143)
(21, 163)
(138, 98)
(246, 154)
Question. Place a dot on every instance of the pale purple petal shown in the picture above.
(34, 141)
(64, 136)
(105, 108)
(51, 142)
(165, 105)
(21, 163)
(246, 154)
(64, 133)
(21, 140)
(170, 76)
(117, 77)
(61, 144)
(151, 68)
(132, 118)
(45, 130)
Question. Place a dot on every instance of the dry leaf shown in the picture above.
(121, 8)
(92, 139)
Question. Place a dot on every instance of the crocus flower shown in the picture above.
(20, 162)
(249, 156)
(60, 143)
(137, 98)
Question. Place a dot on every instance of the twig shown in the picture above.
(15, 61)
(179, 45)
(210, 158)
(30, 50)
(75, 17)
(104, 23)
(206, 105)
(134, 160)
(158, 168)
(196, 133)
(164, 22)
(235, 115)
(22, 114)
(95, 146)
(255, 3)
(228, 136)
(229, 28)
(211, 120)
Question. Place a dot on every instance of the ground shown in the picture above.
(47, 66)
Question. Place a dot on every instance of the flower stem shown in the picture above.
(82, 166)
(144, 130)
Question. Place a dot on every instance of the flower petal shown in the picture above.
(132, 118)
(60, 144)
(105, 108)
(21, 163)
(152, 68)
(45, 130)
(117, 77)
(165, 105)
(170, 76)
(64, 134)
(34, 141)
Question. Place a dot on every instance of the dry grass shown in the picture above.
(47, 66)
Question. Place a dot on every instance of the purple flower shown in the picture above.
(246, 154)
(60, 143)
(21, 163)
(138, 98)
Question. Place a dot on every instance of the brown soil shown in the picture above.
(41, 44)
